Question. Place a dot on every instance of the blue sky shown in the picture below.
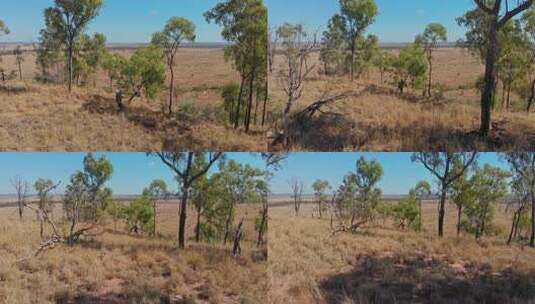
(120, 20)
(398, 20)
(132, 171)
(400, 174)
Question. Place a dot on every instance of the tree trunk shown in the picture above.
(353, 49)
(256, 110)
(430, 75)
(183, 211)
(236, 249)
(264, 107)
(532, 96)
(512, 228)
(532, 238)
(441, 211)
(319, 208)
(20, 71)
(459, 214)
(228, 223)
(250, 103)
(171, 88)
(70, 55)
(487, 95)
(420, 215)
(508, 104)
(260, 239)
(198, 226)
(237, 116)
(154, 219)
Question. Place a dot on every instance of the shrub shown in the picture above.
(139, 215)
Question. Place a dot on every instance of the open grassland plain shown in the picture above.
(380, 264)
(45, 117)
(375, 117)
(114, 266)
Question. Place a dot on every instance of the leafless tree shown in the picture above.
(44, 205)
(297, 194)
(498, 18)
(297, 47)
(21, 188)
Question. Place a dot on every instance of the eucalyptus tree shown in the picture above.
(90, 53)
(490, 187)
(19, 59)
(68, 19)
(528, 22)
(334, 46)
(420, 191)
(462, 192)
(112, 64)
(409, 68)
(522, 166)
(142, 72)
(4, 30)
(296, 186)
(432, 35)
(188, 168)
(239, 183)
(320, 188)
(498, 13)
(176, 31)
(357, 16)
(273, 160)
(358, 197)
(520, 202)
(244, 24)
(441, 166)
(156, 191)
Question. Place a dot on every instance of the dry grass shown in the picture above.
(380, 119)
(116, 267)
(46, 117)
(382, 265)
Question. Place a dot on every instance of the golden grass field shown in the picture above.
(380, 119)
(45, 117)
(116, 267)
(380, 264)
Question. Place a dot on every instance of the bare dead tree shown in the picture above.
(297, 47)
(498, 18)
(44, 187)
(21, 189)
(297, 194)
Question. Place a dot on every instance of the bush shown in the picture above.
(191, 111)
(139, 215)
(406, 213)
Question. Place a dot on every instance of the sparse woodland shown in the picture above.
(222, 217)
(151, 90)
(320, 79)
(471, 226)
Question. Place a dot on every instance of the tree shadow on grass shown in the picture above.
(133, 294)
(423, 279)
(328, 132)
